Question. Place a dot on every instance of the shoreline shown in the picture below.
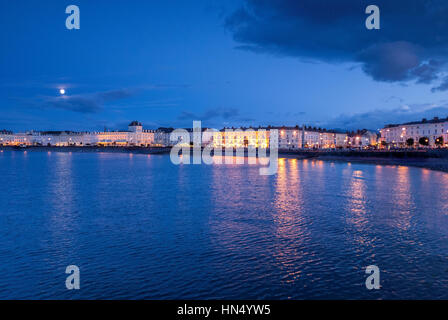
(90, 149)
(433, 164)
(436, 160)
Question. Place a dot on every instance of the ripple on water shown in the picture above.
(143, 228)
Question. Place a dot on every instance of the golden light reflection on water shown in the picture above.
(305, 164)
(289, 220)
(426, 174)
(234, 160)
(317, 170)
(357, 206)
(62, 193)
(402, 199)
(444, 193)
(317, 164)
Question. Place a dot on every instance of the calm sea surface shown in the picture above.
(140, 227)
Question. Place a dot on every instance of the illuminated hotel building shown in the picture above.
(430, 133)
(135, 136)
(289, 138)
(361, 139)
(15, 139)
(241, 138)
(323, 139)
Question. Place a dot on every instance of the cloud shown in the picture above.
(412, 43)
(376, 119)
(393, 61)
(87, 103)
(442, 87)
(218, 113)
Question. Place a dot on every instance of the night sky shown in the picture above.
(225, 62)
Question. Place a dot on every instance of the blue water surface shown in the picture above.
(140, 227)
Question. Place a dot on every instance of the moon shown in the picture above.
(62, 91)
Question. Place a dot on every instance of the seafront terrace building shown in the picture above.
(425, 133)
(362, 138)
(134, 136)
(323, 139)
(163, 137)
(15, 139)
(241, 138)
(289, 138)
(58, 138)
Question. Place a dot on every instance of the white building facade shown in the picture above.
(135, 136)
(425, 133)
(362, 139)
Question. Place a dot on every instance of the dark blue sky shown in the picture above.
(226, 62)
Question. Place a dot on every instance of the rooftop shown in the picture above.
(423, 121)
